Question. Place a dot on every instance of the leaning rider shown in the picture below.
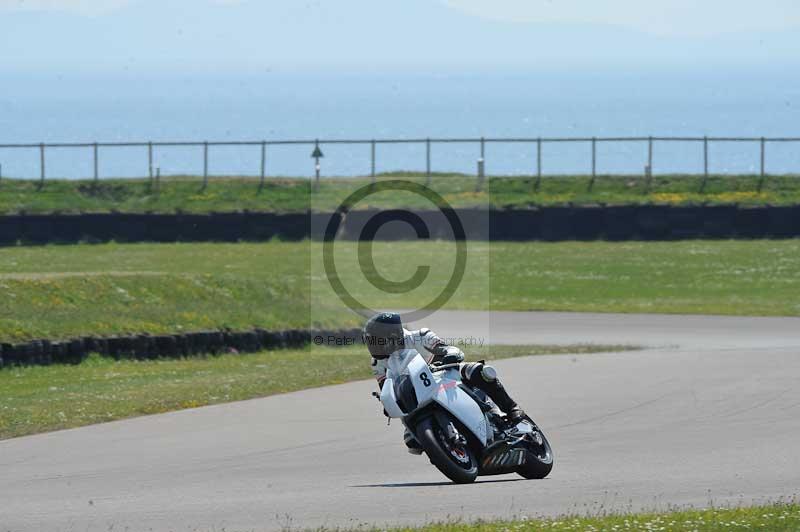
(391, 347)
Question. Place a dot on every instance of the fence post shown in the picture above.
(158, 180)
(263, 166)
(372, 167)
(594, 163)
(96, 173)
(150, 160)
(705, 164)
(427, 162)
(205, 164)
(538, 164)
(1, 171)
(481, 166)
(763, 164)
(649, 176)
(41, 166)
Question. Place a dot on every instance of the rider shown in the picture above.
(391, 345)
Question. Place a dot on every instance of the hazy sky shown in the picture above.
(107, 36)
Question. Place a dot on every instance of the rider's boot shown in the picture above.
(514, 414)
(411, 443)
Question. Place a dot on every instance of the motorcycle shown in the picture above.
(461, 431)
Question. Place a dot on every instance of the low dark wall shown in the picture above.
(144, 347)
(216, 227)
(646, 222)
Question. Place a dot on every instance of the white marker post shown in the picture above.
(317, 155)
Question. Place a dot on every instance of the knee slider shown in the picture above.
(488, 373)
(473, 370)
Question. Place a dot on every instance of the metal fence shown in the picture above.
(318, 145)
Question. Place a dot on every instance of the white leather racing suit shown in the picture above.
(425, 342)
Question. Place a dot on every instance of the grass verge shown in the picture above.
(40, 399)
(63, 291)
(58, 292)
(775, 517)
(236, 193)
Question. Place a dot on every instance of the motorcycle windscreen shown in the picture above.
(405, 394)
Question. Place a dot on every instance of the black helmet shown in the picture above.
(383, 334)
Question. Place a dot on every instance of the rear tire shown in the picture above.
(538, 459)
(459, 465)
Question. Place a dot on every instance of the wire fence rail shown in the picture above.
(481, 142)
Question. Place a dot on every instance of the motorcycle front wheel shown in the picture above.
(454, 459)
(538, 457)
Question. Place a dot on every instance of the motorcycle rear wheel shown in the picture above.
(456, 462)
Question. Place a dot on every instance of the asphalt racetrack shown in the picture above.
(709, 414)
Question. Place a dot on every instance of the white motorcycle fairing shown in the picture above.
(441, 387)
(389, 400)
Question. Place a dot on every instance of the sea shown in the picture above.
(275, 106)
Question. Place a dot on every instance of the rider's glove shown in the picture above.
(453, 355)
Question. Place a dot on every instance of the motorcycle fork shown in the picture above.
(450, 431)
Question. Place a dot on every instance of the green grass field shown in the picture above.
(65, 291)
(234, 193)
(38, 399)
(775, 517)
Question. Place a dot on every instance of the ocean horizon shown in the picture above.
(294, 106)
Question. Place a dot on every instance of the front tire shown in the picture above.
(456, 462)
(538, 458)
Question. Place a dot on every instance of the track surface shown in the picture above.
(710, 414)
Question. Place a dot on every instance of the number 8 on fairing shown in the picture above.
(425, 380)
